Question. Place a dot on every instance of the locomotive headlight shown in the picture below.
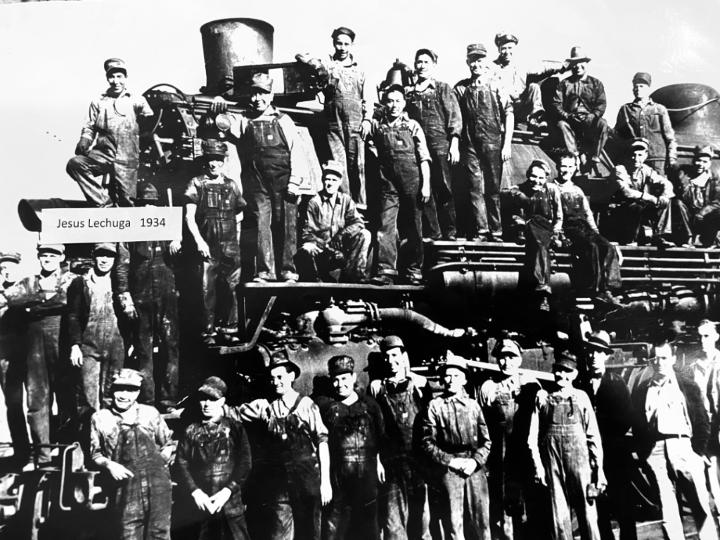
(222, 121)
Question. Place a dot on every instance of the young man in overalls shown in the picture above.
(134, 445)
(433, 104)
(404, 187)
(294, 468)
(402, 397)
(507, 401)
(567, 452)
(538, 215)
(214, 461)
(212, 208)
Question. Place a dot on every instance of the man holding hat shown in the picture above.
(521, 85)
(433, 105)
(333, 234)
(134, 445)
(293, 471)
(455, 438)
(147, 294)
(97, 348)
(485, 143)
(643, 199)
(271, 159)
(579, 105)
(355, 436)
(40, 301)
(642, 117)
(402, 397)
(213, 206)
(567, 451)
(213, 461)
(507, 401)
(110, 142)
(697, 204)
(671, 431)
(610, 399)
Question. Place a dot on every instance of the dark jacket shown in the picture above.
(611, 404)
(590, 97)
(78, 309)
(645, 438)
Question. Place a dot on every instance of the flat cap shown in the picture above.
(503, 37)
(52, 248)
(642, 77)
(333, 167)
(213, 147)
(343, 30)
(640, 142)
(114, 64)
(577, 55)
(476, 49)
(429, 52)
(453, 361)
(565, 359)
(148, 192)
(110, 247)
(280, 359)
(507, 347)
(12, 256)
(127, 377)
(262, 81)
(339, 365)
(599, 340)
(213, 387)
(391, 342)
(706, 150)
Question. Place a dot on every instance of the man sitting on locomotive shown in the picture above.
(334, 234)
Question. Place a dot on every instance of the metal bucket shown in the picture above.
(694, 112)
(231, 42)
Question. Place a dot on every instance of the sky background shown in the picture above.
(51, 56)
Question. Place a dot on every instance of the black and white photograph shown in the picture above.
(359, 270)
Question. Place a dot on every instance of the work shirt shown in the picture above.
(644, 180)
(484, 105)
(434, 105)
(329, 215)
(514, 78)
(545, 202)
(575, 204)
(702, 190)
(347, 81)
(454, 426)
(651, 121)
(666, 409)
(112, 120)
(91, 315)
(401, 123)
(580, 95)
(705, 374)
(40, 296)
(105, 427)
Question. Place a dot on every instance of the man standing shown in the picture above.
(294, 471)
(97, 347)
(404, 188)
(9, 263)
(579, 105)
(671, 430)
(488, 123)
(644, 118)
(212, 214)
(566, 449)
(334, 234)
(433, 105)
(42, 299)
(507, 401)
(643, 197)
(110, 142)
(540, 220)
(596, 262)
(356, 433)
(213, 460)
(456, 439)
(134, 445)
(402, 397)
(270, 156)
(147, 295)
(698, 203)
(610, 399)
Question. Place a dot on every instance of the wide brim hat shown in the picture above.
(577, 55)
(599, 340)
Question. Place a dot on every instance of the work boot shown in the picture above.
(662, 243)
(263, 277)
(289, 277)
(382, 279)
(606, 297)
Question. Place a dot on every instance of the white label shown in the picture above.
(91, 225)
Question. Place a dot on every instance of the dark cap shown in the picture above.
(110, 247)
(577, 55)
(12, 256)
(502, 38)
(339, 365)
(599, 340)
(148, 192)
(640, 142)
(280, 359)
(332, 167)
(565, 359)
(432, 54)
(214, 148)
(476, 49)
(642, 78)
(52, 248)
(507, 347)
(262, 81)
(706, 150)
(213, 387)
(112, 65)
(343, 30)
(127, 377)
(391, 342)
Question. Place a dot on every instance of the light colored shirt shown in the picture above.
(329, 215)
(666, 409)
(307, 411)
